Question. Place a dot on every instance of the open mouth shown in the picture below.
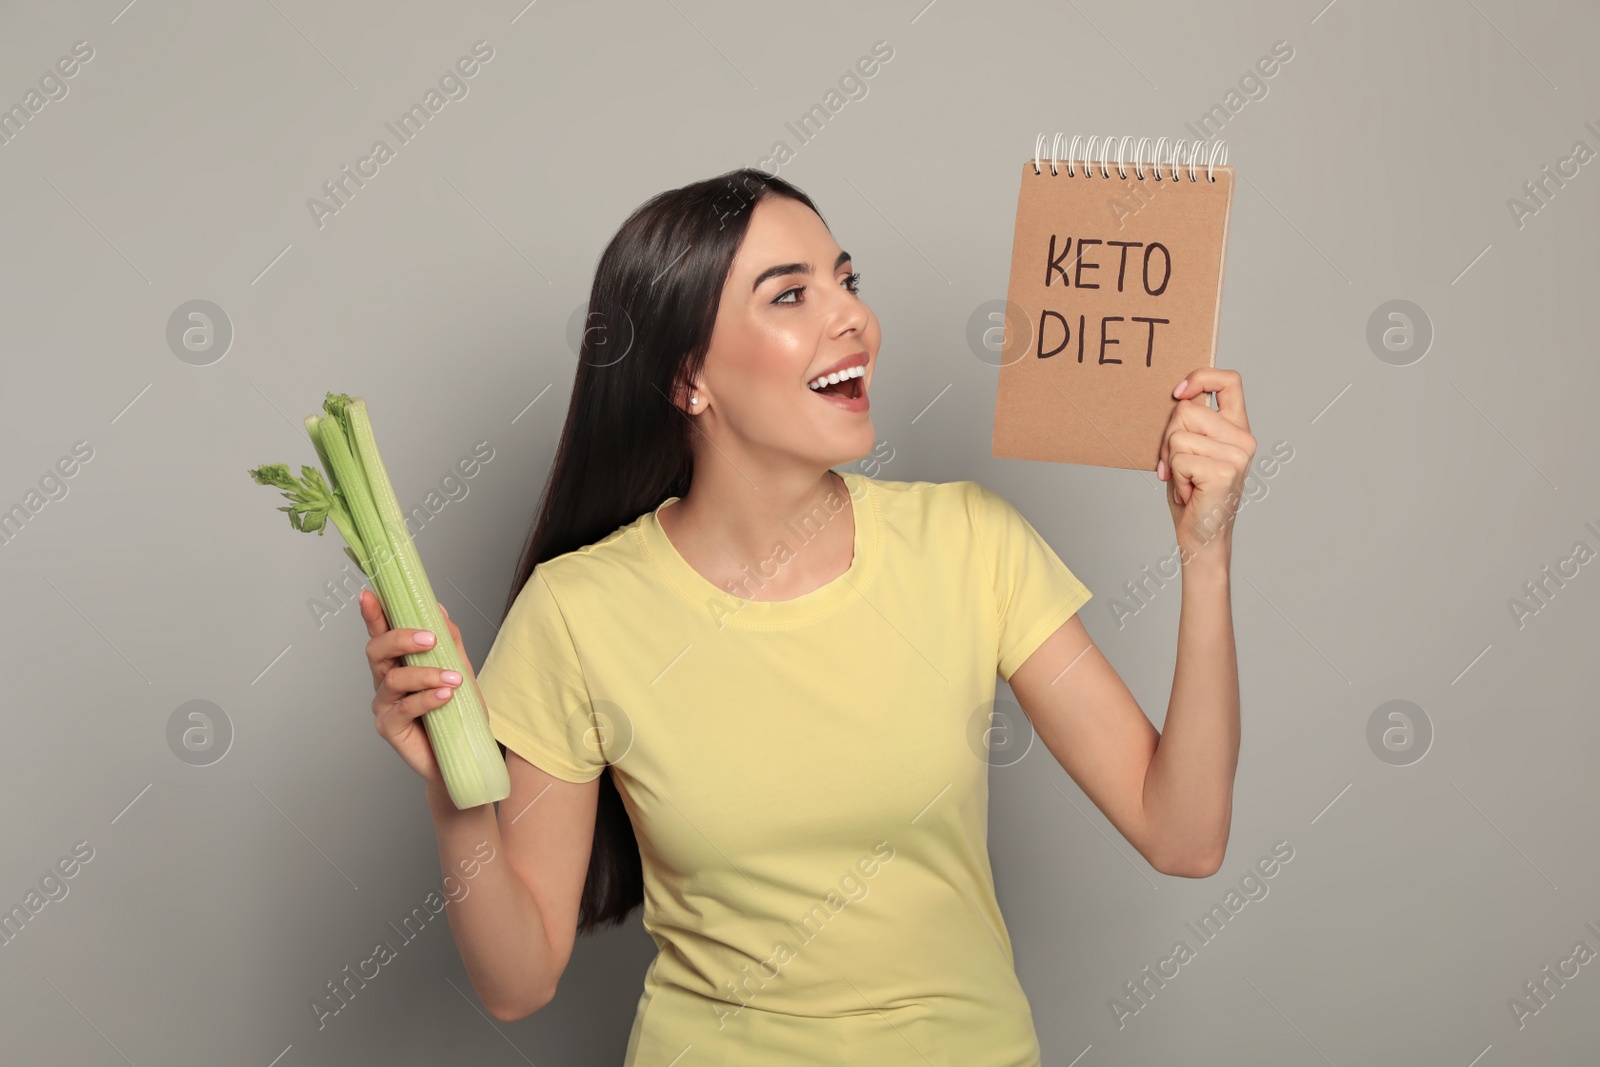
(849, 389)
(842, 386)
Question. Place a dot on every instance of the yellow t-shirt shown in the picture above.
(807, 779)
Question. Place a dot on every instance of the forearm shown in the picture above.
(496, 922)
(1188, 790)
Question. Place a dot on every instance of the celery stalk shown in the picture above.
(362, 504)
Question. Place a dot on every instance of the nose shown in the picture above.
(852, 314)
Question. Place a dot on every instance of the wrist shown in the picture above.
(1211, 563)
(439, 802)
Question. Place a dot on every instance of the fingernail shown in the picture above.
(442, 694)
(451, 677)
(424, 637)
(1177, 392)
(1161, 469)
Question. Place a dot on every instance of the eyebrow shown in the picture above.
(793, 268)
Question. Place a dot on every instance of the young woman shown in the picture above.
(753, 694)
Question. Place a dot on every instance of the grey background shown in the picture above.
(1378, 564)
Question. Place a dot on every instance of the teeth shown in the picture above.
(834, 379)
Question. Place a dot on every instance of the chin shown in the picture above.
(851, 451)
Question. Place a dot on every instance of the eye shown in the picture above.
(852, 283)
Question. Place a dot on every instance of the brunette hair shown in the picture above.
(625, 446)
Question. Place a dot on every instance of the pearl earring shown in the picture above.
(694, 400)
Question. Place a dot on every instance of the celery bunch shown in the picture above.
(362, 505)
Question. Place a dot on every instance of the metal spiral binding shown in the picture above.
(1173, 159)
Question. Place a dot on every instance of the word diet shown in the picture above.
(1153, 266)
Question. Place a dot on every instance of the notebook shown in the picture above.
(1116, 284)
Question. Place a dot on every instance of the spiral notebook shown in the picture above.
(1116, 285)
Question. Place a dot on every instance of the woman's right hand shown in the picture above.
(405, 693)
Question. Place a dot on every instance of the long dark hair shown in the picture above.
(625, 447)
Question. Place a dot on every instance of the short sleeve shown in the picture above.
(1034, 590)
(534, 690)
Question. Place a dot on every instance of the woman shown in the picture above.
(753, 694)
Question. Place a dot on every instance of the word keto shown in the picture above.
(817, 116)
(1154, 274)
(1581, 554)
(1539, 991)
(1254, 888)
(51, 84)
(1254, 88)
(1168, 567)
(54, 887)
(339, 996)
(14, 518)
(1581, 154)
(850, 885)
(338, 190)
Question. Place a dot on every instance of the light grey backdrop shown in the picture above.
(1381, 563)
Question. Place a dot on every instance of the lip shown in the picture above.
(859, 403)
(855, 359)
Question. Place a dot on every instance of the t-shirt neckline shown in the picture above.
(727, 609)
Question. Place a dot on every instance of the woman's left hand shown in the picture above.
(1205, 456)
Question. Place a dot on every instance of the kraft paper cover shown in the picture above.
(1062, 394)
